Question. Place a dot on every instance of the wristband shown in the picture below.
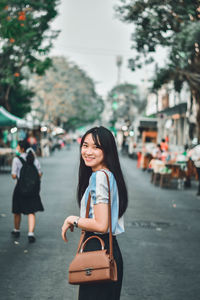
(76, 222)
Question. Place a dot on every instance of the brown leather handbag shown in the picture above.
(94, 266)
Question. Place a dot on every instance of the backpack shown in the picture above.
(29, 180)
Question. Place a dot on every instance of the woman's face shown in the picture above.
(19, 149)
(91, 154)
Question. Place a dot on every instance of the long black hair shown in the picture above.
(104, 139)
(25, 146)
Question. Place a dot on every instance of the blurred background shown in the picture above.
(133, 67)
(71, 65)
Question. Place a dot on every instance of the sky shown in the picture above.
(92, 37)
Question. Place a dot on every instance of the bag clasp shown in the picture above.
(88, 271)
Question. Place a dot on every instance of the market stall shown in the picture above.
(9, 125)
(9, 120)
(177, 167)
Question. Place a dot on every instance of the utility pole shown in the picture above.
(119, 61)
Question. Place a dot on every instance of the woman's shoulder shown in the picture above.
(101, 173)
(15, 159)
(99, 176)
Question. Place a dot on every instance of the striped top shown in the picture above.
(98, 188)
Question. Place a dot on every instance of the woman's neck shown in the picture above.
(99, 168)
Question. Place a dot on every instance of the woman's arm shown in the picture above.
(98, 224)
(14, 168)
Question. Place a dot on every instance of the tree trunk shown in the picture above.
(7, 105)
(196, 95)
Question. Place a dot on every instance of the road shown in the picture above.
(161, 246)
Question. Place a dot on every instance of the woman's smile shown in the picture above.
(88, 159)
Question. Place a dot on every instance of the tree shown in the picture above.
(126, 102)
(171, 24)
(25, 37)
(65, 94)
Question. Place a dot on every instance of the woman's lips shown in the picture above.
(89, 159)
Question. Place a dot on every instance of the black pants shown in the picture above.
(108, 290)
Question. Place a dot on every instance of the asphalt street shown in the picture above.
(161, 245)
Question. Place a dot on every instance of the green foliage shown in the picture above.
(25, 37)
(171, 24)
(20, 100)
(65, 94)
(125, 101)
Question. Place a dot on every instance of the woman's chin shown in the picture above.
(89, 164)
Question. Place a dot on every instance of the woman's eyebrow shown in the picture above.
(93, 144)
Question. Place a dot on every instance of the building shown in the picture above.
(174, 113)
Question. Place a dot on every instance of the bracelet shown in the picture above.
(76, 222)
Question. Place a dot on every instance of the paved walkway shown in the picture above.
(160, 247)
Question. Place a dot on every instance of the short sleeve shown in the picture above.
(37, 164)
(14, 166)
(99, 188)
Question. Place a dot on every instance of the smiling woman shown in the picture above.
(99, 156)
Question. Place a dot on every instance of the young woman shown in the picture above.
(21, 204)
(99, 152)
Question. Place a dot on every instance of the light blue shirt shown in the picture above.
(98, 188)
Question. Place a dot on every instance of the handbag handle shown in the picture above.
(109, 220)
(93, 237)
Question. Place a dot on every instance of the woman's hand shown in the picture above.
(68, 224)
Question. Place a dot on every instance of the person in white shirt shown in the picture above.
(22, 204)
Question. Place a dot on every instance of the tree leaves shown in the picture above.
(171, 24)
(125, 101)
(65, 94)
(25, 36)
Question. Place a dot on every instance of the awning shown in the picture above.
(7, 119)
(147, 123)
(177, 109)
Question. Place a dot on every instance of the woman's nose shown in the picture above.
(89, 150)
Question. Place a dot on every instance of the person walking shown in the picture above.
(98, 155)
(26, 198)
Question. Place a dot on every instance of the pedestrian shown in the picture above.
(99, 152)
(164, 145)
(32, 141)
(194, 154)
(157, 152)
(26, 198)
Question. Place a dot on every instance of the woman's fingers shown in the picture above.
(64, 237)
(65, 227)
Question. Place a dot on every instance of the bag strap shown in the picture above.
(21, 159)
(109, 220)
